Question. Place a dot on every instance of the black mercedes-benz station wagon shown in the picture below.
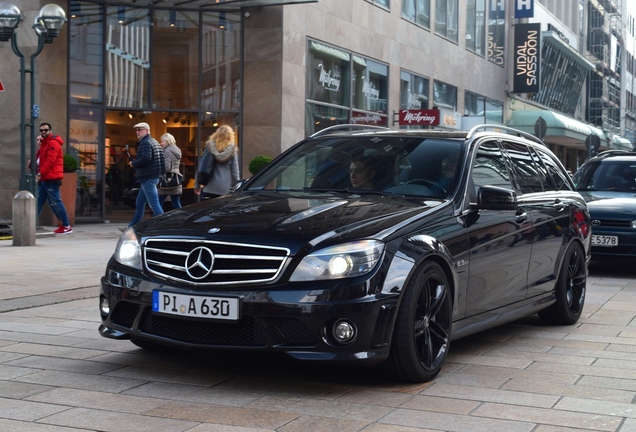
(372, 246)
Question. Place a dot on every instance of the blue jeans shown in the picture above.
(49, 191)
(147, 194)
(174, 199)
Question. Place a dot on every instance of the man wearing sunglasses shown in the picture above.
(50, 160)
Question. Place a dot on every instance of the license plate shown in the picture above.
(604, 241)
(225, 308)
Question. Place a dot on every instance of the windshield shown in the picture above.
(414, 166)
(607, 176)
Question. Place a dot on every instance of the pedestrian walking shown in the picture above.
(149, 166)
(50, 171)
(172, 158)
(219, 167)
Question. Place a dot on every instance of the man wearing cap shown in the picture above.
(148, 166)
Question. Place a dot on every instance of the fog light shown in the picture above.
(344, 332)
(104, 308)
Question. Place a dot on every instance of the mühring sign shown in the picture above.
(419, 117)
(527, 57)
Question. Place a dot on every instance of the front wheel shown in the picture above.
(569, 289)
(421, 337)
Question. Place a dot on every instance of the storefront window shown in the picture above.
(175, 60)
(475, 26)
(418, 11)
(413, 91)
(221, 61)
(444, 95)
(480, 106)
(85, 62)
(127, 57)
(344, 88)
(328, 76)
(446, 19)
(370, 85)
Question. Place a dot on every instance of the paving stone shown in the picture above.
(25, 410)
(94, 399)
(234, 416)
(441, 404)
(109, 421)
(79, 381)
(190, 393)
(322, 424)
(548, 416)
(605, 408)
(582, 389)
(64, 364)
(23, 426)
(453, 423)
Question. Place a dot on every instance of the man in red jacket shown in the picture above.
(50, 160)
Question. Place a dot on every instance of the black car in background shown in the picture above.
(608, 184)
(457, 232)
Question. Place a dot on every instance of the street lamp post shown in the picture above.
(47, 26)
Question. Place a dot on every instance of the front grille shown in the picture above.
(614, 223)
(205, 262)
(242, 333)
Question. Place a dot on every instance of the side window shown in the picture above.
(489, 167)
(529, 177)
(560, 178)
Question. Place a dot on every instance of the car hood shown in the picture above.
(611, 205)
(270, 217)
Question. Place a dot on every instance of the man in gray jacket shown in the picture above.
(148, 166)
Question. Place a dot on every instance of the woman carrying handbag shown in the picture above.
(171, 182)
(219, 166)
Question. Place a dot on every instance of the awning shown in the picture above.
(561, 129)
(619, 143)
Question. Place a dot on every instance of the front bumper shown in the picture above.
(298, 322)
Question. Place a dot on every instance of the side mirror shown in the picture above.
(496, 198)
(236, 186)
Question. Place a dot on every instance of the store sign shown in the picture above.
(527, 58)
(524, 8)
(450, 119)
(328, 79)
(412, 117)
(368, 119)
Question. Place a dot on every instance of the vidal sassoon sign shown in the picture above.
(527, 55)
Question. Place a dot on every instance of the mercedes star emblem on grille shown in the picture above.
(199, 263)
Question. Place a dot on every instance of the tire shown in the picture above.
(569, 289)
(421, 336)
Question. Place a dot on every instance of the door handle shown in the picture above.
(558, 205)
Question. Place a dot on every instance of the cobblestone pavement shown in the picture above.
(57, 374)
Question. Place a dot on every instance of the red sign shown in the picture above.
(419, 117)
(1, 86)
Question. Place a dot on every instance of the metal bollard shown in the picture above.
(24, 209)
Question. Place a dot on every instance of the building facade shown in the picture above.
(277, 71)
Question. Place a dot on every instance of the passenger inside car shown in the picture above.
(362, 172)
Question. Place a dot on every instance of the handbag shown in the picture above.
(170, 180)
(206, 167)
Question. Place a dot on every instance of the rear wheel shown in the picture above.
(569, 289)
(422, 330)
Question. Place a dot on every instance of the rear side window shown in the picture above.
(489, 168)
(560, 178)
(528, 176)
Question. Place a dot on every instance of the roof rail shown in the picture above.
(607, 153)
(509, 130)
(347, 127)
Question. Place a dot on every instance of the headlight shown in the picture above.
(337, 262)
(634, 224)
(128, 251)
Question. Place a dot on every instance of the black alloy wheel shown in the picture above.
(421, 337)
(569, 289)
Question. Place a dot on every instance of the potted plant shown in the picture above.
(258, 163)
(68, 190)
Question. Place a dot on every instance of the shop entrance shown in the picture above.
(107, 189)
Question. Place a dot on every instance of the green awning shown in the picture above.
(619, 143)
(561, 129)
